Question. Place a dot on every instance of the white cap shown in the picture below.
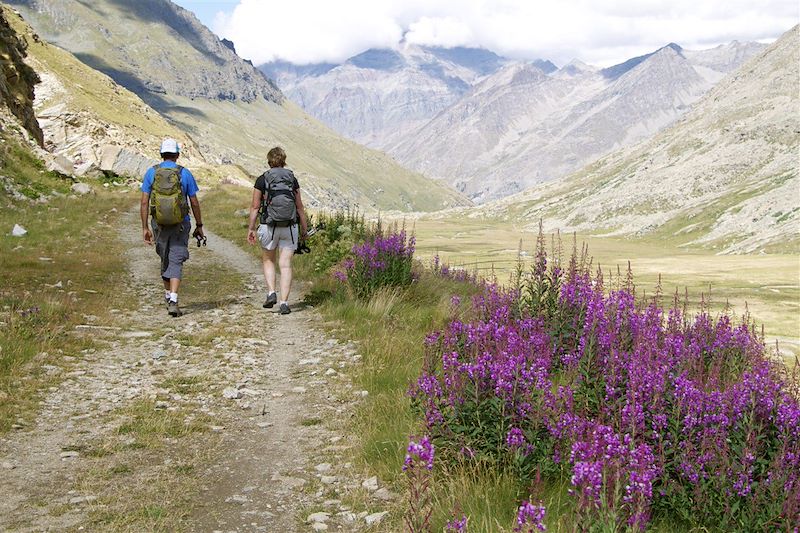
(170, 146)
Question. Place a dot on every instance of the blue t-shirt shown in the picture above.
(188, 184)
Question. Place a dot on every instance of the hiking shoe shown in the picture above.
(272, 299)
(173, 309)
(285, 309)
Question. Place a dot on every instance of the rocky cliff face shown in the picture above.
(89, 123)
(380, 96)
(725, 175)
(17, 79)
(518, 128)
(135, 44)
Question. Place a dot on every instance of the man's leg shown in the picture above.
(177, 254)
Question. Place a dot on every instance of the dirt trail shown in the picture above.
(270, 390)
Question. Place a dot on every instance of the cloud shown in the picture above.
(309, 31)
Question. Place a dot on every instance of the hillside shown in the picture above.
(230, 110)
(724, 176)
(89, 122)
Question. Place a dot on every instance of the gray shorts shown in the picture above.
(272, 237)
(172, 246)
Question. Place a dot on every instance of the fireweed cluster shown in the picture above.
(644, 411)
(384, 259)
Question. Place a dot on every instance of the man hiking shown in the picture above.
(165, 190)
(276, 198)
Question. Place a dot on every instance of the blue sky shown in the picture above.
(598, 32)
(206, 10)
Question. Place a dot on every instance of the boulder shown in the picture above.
(81, 188)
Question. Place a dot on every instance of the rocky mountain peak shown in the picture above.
(576, 67)
(175, 55)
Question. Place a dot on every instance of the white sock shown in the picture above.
(173, 297)
(166, 294)
(273, 292)
(287, 303)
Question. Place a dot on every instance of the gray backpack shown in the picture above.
(279, 207)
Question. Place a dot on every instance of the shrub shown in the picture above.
(383, 260)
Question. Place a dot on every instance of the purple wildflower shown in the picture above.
(530, 518)
(419, 453)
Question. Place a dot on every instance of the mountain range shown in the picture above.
(492, 127)
(228, 112)
(725, 175)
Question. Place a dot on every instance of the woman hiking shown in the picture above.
(278, 206)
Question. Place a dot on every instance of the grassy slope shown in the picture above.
(335, 172)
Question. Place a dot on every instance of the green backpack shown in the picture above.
(167, 202)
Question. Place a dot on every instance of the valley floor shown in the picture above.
(229, 418)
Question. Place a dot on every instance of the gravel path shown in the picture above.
(270, 391)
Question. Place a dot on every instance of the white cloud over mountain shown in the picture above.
(601, 33)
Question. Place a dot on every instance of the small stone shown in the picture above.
(319, 526)
(69, 455)
(299, 390)
(216, 429)
(232, 394)
(375, 518)
(264, 424)
(18, 231)
(318, 517)
(330, 372)
(324, 467)
(237, 499)
(384, 494)
(370, 484)
(328, 480)
(162, 405)
(78, 500)
(8, 466)
(362, 393)
(311, 361)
